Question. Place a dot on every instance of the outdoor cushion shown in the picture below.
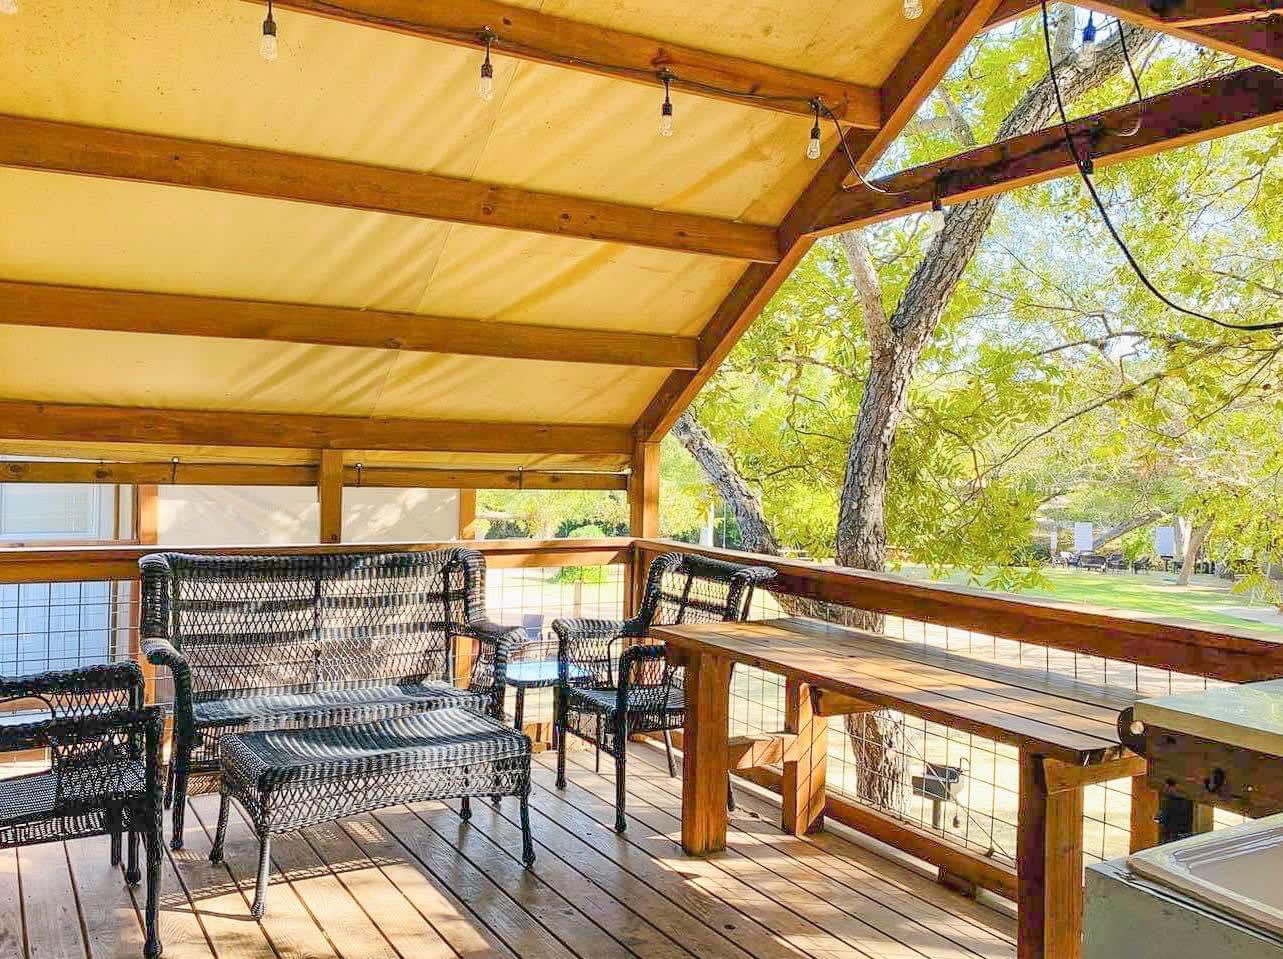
(360, 703)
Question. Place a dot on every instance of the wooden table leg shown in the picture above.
(1049, 866)
(705, 777)
(802, 787)
(1144, 814)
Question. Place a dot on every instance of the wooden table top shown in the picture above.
(1072, 721)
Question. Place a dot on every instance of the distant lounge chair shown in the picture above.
(1091, 561)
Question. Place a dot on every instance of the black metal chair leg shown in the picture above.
(668, 753)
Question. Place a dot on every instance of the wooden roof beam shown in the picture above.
(253, 474)
(58, 147)
(1201, 111)
(543, 38)
(950, 29)
(1258, 38)
(22, 420)
(85, 308)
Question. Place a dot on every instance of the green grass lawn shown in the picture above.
(1206, 600)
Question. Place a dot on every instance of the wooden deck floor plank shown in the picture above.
(554, 833)
(817, 888)
(12, 940)
(346, 926)
(410, 934)
(561, 914)
(634, 928)
(792, 887)
(652, 830)
(469, 938)
(490, 904)
(985, 930)
(49, 903)
(112, 926)
(288, 925)
(216, 899)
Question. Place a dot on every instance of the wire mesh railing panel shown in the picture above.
(47, 626)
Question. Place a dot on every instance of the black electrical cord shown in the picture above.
(1081, 164)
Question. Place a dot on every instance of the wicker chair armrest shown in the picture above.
(633, 657)
(161, 652)
(83, 680)
(46, 733)
(490, 671)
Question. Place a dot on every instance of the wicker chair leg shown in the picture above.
(560, 727)
(519, 708)
(527, 844)
(155, 837)
(597, 747)
(169, 783)
(180, 806)
(668, 753)
(465, 809)
(621, 824)
(220, 834)
(133, 875)
(730, 798)
(264, 867)
(114, 827)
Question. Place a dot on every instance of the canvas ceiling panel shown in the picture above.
(79, 230)
(193, 69)
(723, 159)
(144, 453)
(507, 276)
(484, 388)
(373, 96)
(184, 372)
(856, 40)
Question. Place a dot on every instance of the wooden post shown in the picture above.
(1144, 831)
(705, 742)
(329, 487)
(147, 533)
(467, 514)
(1049, 866)
(802, 787)
(643, 516)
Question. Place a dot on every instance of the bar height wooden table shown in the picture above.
(1066, 732)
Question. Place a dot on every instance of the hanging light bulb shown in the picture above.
(1087, 52)
(9, 7)
(935, 219)
(666, 111)
(268, 47)
(813, 145)
(485, 86)
(912, 9)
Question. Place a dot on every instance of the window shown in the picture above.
(38, 511)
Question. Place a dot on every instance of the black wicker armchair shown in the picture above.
(308, 640)
(606, 693)
(104, 769)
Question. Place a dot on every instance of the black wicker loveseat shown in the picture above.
(313, 639)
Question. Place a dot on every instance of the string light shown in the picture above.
(485, 85)
(9, 7)
(268, 47)
(912, 9)
(666, 111)
(1087, 52)
(813, 145)
(935, 219)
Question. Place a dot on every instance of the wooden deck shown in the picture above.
(415, 883)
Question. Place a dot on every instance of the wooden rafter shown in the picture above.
(1258, 39)
(1192, 13)
(542, 38)
(951, 28)
(50, 145)
(59, 422)
(259, 474)
(1201, 111)
(84, 308)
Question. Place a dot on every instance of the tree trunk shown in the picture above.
(1125, 527)
(1193, 543)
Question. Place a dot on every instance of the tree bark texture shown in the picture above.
(1193, 543)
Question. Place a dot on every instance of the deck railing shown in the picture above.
(69, 605)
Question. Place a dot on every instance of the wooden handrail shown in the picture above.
(1227, 653)
(120, 562)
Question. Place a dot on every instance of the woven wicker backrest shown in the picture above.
(268, 624)
(684, 588)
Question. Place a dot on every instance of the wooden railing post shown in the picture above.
(467, 514)
(330, 490)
